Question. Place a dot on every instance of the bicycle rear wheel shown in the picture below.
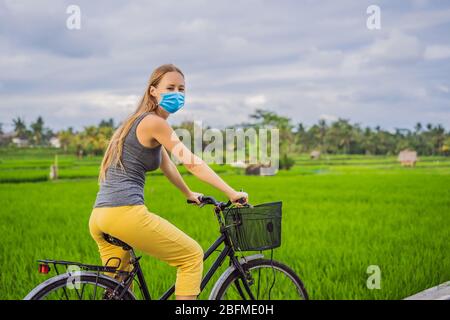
(88, 286)
(271, 280)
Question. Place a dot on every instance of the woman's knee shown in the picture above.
(198, 252)
(195, 255)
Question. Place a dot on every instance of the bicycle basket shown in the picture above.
(254, 228)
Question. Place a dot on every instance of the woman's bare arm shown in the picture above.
(171, 172)
(160, 130)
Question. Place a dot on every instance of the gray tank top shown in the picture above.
(127, 188)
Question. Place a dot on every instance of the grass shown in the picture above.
(338, 219)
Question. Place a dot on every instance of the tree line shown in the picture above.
(343, 137)
(334, 137)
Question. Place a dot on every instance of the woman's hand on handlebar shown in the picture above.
(193, 196)
(239, 198)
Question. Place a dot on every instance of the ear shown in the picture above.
(153, 91)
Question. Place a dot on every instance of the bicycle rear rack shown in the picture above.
(44, 266)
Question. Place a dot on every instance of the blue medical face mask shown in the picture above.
(172, 101)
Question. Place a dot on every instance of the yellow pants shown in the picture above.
(152, 234)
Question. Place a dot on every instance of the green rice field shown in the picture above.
(341, 214)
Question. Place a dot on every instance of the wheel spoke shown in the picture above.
(82, 290)
(273, 283)
(269, 282)
(259, 283)
(65, 293)
(76, 290)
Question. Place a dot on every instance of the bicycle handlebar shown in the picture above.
(210, 200)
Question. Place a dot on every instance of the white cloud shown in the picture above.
(435, 52)
(443, 88)
(328, 117)
(307, 60)
(234, 43)
(78, 109)
(420, 3)
(196, 25)
(255, 101)
(419, 20)
(395, 47)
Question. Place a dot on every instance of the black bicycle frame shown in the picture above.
(227, 251)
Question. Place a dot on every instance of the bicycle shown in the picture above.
(244, 279)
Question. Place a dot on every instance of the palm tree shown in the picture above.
(368, 141)
(322, 126)
(418, 127)
(302, 138)
(438, 138)
(38, 128)
(20, 128)
(346, 134)
(107, 123)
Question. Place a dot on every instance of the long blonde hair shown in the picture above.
(148, 103)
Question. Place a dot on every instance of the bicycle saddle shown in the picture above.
(116, 242)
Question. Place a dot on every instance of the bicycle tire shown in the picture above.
(60, 281)
(253, 264)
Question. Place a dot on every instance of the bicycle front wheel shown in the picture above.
(269, 280)
(88, 286)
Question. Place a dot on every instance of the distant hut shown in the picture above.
(315, 155)
(261, 169)
(54, 142)
(408, 158)
(20, 142)
(253, 169)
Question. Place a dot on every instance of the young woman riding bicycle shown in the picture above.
(139, 145)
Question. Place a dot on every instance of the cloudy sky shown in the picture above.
(303, 59)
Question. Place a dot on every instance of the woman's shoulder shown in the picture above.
(153, 127)
(152, 121)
